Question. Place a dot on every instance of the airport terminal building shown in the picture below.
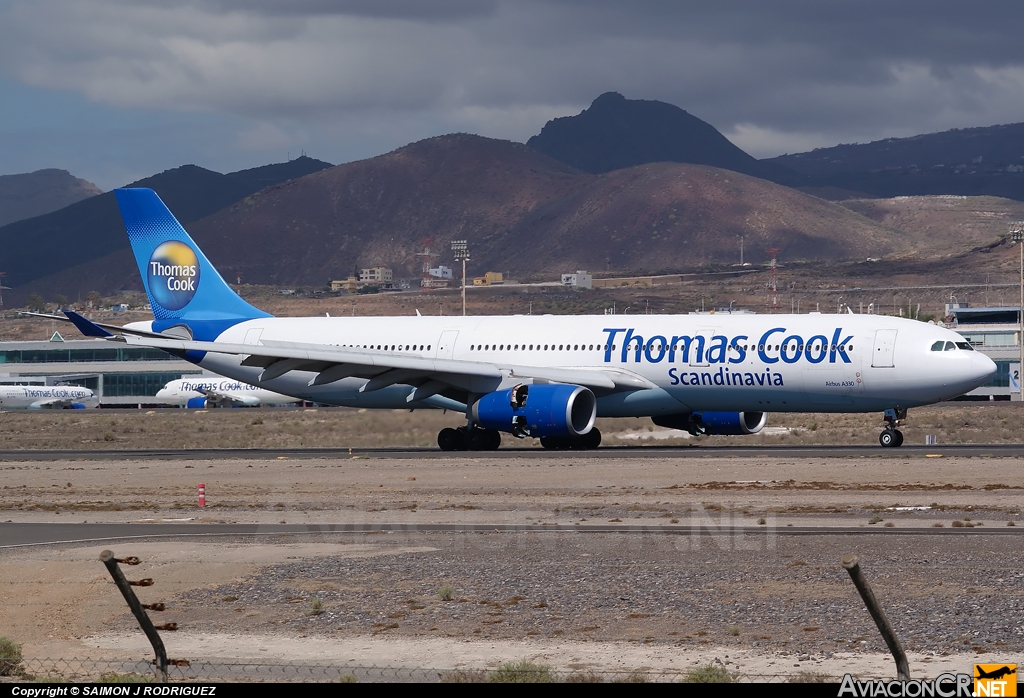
(121, 376)
(994, 331)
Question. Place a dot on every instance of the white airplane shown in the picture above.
(46, 397)
(215, 391)
(547, 377)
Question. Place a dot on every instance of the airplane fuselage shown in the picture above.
(33, 397)
(180, 392)
(718, 362)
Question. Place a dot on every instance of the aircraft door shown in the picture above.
(699, 349)
(882, 352)
(446, 344)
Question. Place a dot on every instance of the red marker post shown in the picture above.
(202, 495)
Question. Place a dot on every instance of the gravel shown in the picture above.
(944, 594)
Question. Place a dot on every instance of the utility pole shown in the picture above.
(461, 252)
(1017, 235)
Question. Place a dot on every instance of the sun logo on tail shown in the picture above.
(173, 274)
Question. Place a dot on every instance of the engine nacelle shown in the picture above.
(197, 403)
(715, 423)
(538, 410)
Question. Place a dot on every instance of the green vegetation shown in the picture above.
(510, 672)
(708, 673)
(521, 672)
(446, 593)
(10, 657)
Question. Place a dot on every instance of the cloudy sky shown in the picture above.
(114, 90)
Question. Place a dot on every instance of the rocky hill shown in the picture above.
(615, 133)
(522, 212)
(70, 239)
(36, 193)
(970, 162)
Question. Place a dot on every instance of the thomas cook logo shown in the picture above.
(173, 274)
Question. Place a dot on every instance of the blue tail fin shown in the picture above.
(182, 285)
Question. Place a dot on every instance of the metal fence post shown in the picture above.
(852, 565)
(108, 559)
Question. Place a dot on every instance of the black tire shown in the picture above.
(899, 439)
(493, 441)
(887, 438)
(587, 442)
(552, 443)
(449, 440)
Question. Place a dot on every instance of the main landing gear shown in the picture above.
(892, 437)
(472, 438)
(469, 439)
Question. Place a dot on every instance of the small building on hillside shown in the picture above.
(378, 276)
(491, 278)
(351, 284)
(580, 279)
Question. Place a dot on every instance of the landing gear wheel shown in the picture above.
(589, 441)
(450, 440)
(892, 437)
(482, 439)
(554, 443)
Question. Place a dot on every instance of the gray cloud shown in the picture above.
(771, 75)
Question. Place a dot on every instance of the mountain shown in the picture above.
(520, 211)
(616, 132)
(971, 162)
(40, 192)
(92, 229)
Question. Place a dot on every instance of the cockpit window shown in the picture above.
(950, 346)
(966, 346)
(937, 346)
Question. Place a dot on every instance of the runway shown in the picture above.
(951, 450)
(18, 535)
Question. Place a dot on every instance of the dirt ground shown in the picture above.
(59, 602)
(341, 427)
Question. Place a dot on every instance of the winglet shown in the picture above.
(86, 327)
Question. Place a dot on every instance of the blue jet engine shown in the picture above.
(543, 410)
(715, 423)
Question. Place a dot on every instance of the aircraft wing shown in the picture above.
(427, 376)
(227, 399)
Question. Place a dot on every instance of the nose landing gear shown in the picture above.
(892, 437)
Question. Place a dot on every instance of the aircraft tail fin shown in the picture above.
(182, 285)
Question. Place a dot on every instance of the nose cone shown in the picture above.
(981, 369)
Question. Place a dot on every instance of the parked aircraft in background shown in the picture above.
(542, 376)
(216, 391)
(46, 397)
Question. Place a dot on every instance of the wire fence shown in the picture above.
(242, 671)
